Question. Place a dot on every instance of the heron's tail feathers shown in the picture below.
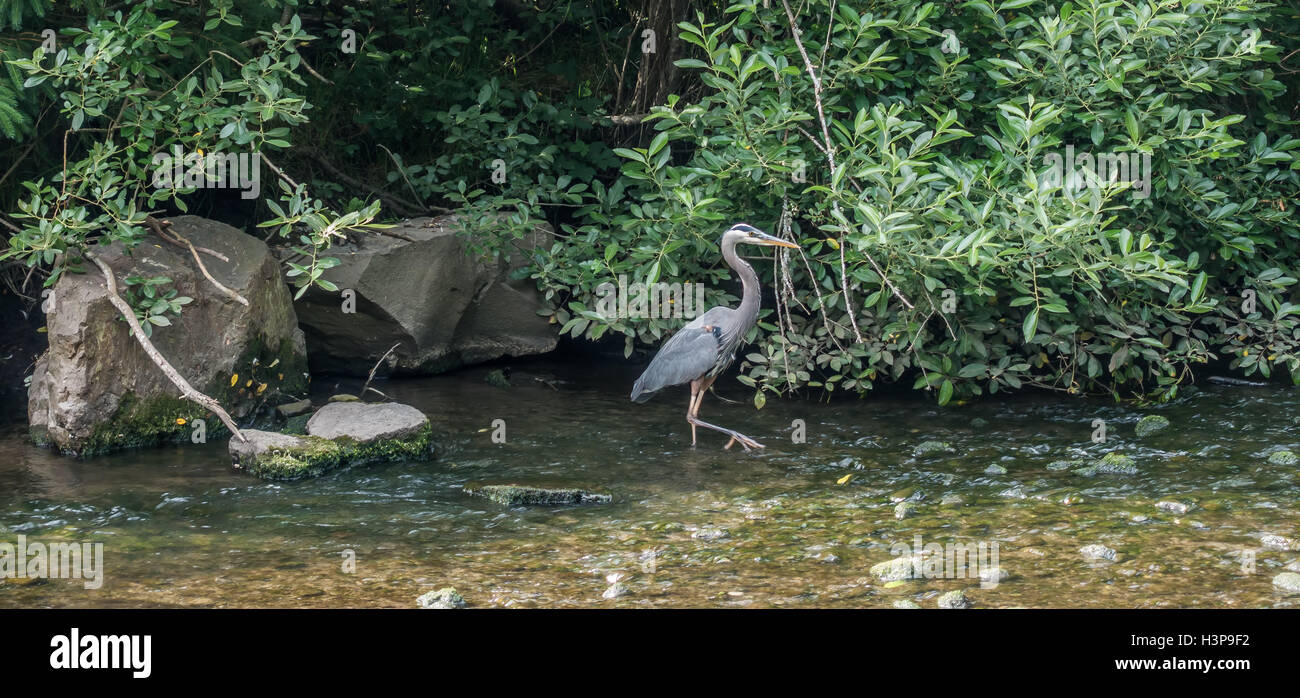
(641, 392)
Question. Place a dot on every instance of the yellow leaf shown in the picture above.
(845, 479)
(234, 379)
(180, 421)
(260, 388)
(248, 383)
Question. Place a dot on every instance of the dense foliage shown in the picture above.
(944, 247)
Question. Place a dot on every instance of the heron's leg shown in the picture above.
(692, 406)
(698, 388)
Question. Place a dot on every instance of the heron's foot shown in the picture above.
(744, 441)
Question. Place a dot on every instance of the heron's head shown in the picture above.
(748, 234)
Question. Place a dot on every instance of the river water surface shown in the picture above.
(689, 527)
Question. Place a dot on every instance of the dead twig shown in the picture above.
(374, 368)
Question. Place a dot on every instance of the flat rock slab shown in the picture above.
(366, 422)
(519, 495)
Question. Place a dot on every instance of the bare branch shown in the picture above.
(187, 391)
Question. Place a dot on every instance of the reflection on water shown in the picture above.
(688, 527)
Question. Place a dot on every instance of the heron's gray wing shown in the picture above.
(687, 355)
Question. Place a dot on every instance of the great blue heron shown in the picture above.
(707, 345)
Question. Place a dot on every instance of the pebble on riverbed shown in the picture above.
(896, 570)
(1150, 424)
(1175, 507)
(615, 590)
(1283, 458)
(1288, 582)
(906, 603)
(995, 469)
(1097, 551)
(954, 599)
(905, 510)
(1275, 542)
(711, 534)
(928, 448)
(447, 597)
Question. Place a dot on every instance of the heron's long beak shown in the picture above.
(770, 241)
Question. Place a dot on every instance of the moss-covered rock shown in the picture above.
(1114, 463)
(1150, 424)
(275, 456)
(520, 495)
(1283, 458)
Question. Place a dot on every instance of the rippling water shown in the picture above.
(688, 527)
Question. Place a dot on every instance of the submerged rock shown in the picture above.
(906, 603)
(1150, 424)
(615, 590)
(521, 495)
(446, 597)
(992, 576)
(1288, 582)
(954, 599)
(95, 390)
(896, 570)
(1066, 464)
(1114, 463)
(995, 469)
(904, 510)
(377, 436)
(1097, 551)
(1175, 507)
(1283, 458)
(927, 448)
(1275, 542)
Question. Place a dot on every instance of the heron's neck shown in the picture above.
(751, 295)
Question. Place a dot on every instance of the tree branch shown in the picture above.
(187, 390)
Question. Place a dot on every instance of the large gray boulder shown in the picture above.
(419, 286)
(95, 390)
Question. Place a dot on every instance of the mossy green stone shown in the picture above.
(519, 495)
(1151, 424)
(315, 456)
(1283, 458)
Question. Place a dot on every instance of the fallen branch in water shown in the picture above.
(187, 391)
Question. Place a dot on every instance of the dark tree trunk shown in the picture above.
(657, 76)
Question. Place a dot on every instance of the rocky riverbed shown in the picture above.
(1196, 514)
